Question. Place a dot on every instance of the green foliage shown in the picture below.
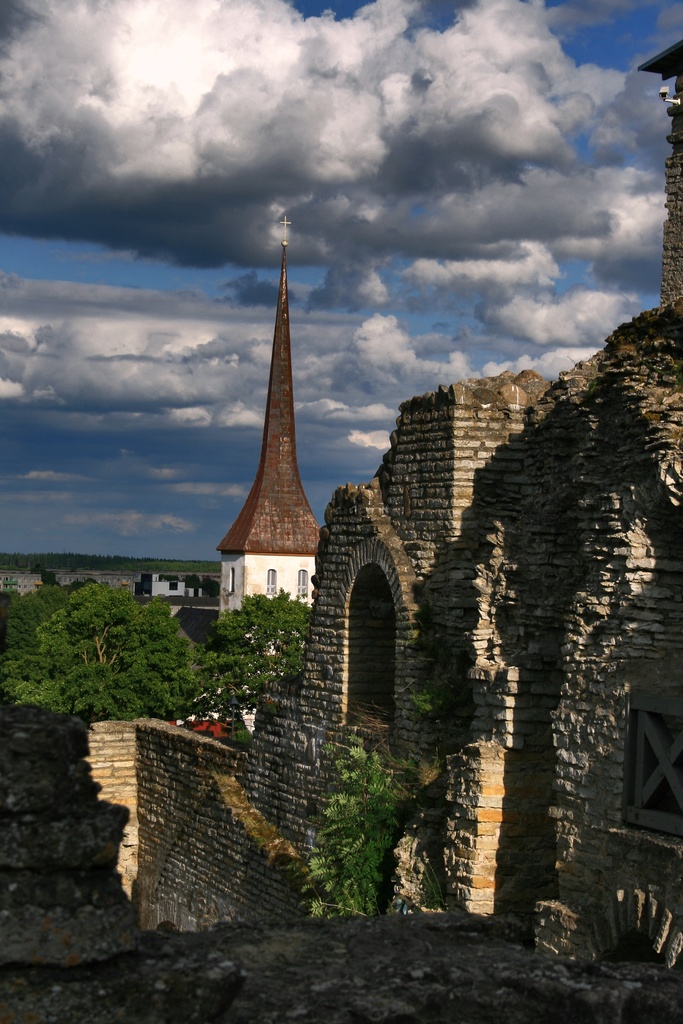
(594, 387)
(433, 897)
(210, 588)
(27, 611)
(102, 656)
(437, 698)
(247, 648)
(351, 860)
(446, 691)
(242, 734)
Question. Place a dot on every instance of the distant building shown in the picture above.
(271, 546)
(19, 582)
(122, 578)
(154, 584)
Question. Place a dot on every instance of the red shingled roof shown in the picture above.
(276, 517)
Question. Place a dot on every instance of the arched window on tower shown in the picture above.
(371, 646)
(302, 584)
(231, 582)
(271, 585)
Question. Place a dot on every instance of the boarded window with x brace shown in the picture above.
(653, 771)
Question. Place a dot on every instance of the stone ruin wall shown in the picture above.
(672, 266)
(623, 634)
(542, 535)
(70, 950)
(399, 522)
(194, 853)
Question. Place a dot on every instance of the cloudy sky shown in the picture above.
(472, 186)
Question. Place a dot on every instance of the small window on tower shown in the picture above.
(271, 587)
(231, 582)
(302, 585)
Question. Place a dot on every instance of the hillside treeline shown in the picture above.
(36, 561)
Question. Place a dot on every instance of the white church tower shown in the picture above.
(271, 546)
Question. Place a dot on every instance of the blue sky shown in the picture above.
(472, 187)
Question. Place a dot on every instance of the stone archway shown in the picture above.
(370, 645)
(642, 929)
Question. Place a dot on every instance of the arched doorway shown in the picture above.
(371, 645)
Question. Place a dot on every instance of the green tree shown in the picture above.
(27, 611)
(210, 588)
(247, 648)
(103, 657)
(351, 861)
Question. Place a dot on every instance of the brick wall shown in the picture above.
(204, 855)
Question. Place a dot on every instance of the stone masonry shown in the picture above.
(520, 548)
(113, 761)
(441, 968)
(61, 901)
(672, 267)
(198, 853)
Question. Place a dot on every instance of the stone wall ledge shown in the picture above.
(437, 967)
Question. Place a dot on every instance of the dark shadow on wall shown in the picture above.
(635, 948)
(371, 645)
(592, 470)
(547, 520)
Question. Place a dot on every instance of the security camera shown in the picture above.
(664, 95)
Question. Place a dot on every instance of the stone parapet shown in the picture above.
(205, 854)
(61, 900)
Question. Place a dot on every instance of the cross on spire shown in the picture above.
(285, 223)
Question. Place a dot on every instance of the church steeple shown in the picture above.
(276, 517)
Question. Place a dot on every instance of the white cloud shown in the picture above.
(129, 523)
(370, 439)
(191, 417)
(51, 475)
(531, 264)
(339, 412)
(578, 317)
(10, 389)
(445, 186)
(294, 105)
(224, 490)
(386, 349)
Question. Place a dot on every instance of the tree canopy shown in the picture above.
(247, 648)
(102, 656)
(27, 611)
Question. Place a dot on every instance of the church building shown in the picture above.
(272, 544)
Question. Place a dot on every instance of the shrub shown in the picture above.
(351, 862)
